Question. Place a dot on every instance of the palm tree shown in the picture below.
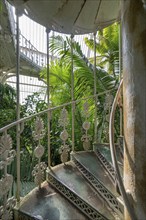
(60, 77)
(83, 68)
(107, 48)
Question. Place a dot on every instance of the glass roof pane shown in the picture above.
(28, 85)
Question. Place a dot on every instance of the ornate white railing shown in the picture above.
(26, 47)
(86, 126)
(7, 156)
(31, 53)
(38, 151)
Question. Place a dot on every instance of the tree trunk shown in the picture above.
(134, 92)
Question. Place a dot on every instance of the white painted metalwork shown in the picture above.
(48, 99)
(7, 155)
(95, 91)
(64, 149)
(6, 212)
(38, 173)
(107, 109)
(107, 105)
(108, 102)
(50, 110)
(34, 55)
(121, 75)
(86, 138)
(78, 17)
(18, 102)
(38, 134)
(72, 96)
(63, 121)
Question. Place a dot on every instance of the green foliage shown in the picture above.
(1, 5)
(34, 104)
(60, 93)
(7, 104)
(107, 47)
(83, 69)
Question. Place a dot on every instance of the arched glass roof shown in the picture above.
(28, 86)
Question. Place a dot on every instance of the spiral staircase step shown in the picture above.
(103, 186)
(72, 180)
(46, 204)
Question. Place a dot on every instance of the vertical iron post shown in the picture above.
(18, 14)
(72, 96)
(120, 76)
(48, 98)
(95, 92)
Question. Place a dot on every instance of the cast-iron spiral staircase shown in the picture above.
(79, 189)
(83, 188)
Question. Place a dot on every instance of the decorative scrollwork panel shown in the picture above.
(39, 169)
(86, 138)
(108, 102)
(64, 149)
(38, 172)
(6, 212)
(7, 155)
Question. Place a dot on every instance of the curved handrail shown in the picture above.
(114, 157)
(22, 120)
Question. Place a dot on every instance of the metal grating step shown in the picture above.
(105, 151)
(46, 203)
(75, 199)
(107, 165)
(110, 199)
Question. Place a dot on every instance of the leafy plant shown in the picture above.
(7, 104)
(107, 48)
(83, 69)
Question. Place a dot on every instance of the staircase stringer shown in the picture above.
(108, 167)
